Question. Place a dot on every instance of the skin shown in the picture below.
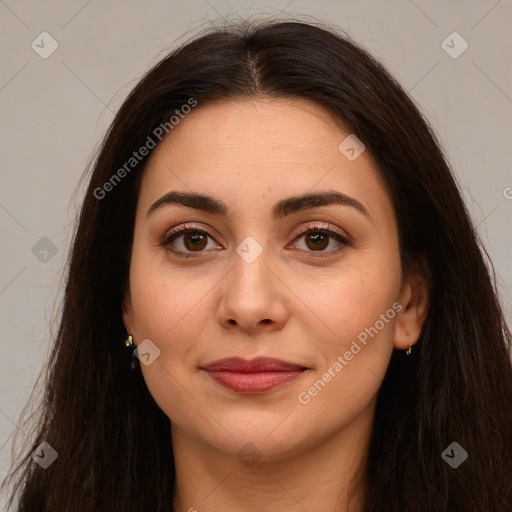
(286, 304)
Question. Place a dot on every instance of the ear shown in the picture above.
(414, 299)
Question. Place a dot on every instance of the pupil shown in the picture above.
(195, 239)
(318, 239)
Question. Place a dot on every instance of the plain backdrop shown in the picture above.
(55, 110)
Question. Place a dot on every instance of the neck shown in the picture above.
(323, 478)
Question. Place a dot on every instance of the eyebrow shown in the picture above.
(281, 209)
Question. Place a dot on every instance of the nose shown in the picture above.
(253, 297)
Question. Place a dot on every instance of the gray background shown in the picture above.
(54, 112)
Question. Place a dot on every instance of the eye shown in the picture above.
(185, 240)
(189, 240)
(317, 238)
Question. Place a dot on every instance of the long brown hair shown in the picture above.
(114, 442)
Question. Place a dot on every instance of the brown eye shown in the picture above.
(318, 238)
(186, 241)
(317, 241)
(195, 241)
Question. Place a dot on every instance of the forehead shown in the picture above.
(292, 125)
(240, 149)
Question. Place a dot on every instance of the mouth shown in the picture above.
(253, 376)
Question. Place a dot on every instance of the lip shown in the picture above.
(253, 376)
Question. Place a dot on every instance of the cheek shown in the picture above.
(347, 302)
(164, 300)
(357, 347)
(172, 322)
(166, 311)
(353, 355)
(356, 319)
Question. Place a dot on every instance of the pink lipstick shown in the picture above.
(253, 376)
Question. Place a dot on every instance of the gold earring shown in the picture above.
(129, 341)
(408, 351)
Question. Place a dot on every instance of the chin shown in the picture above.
(265, 437)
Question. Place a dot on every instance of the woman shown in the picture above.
(271, 227)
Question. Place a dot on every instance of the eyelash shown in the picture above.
(310, 228)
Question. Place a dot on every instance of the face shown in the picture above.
(257, 271)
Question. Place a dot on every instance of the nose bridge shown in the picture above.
(251, 268)
(252, 292)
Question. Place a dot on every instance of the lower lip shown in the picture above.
(255, 382)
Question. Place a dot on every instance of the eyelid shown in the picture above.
(184, 227)
(328, 228)
(344, 239)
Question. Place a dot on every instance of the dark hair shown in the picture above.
(114, 442)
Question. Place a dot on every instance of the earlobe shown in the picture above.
(415, 302)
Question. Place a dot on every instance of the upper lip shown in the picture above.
(259, 364)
